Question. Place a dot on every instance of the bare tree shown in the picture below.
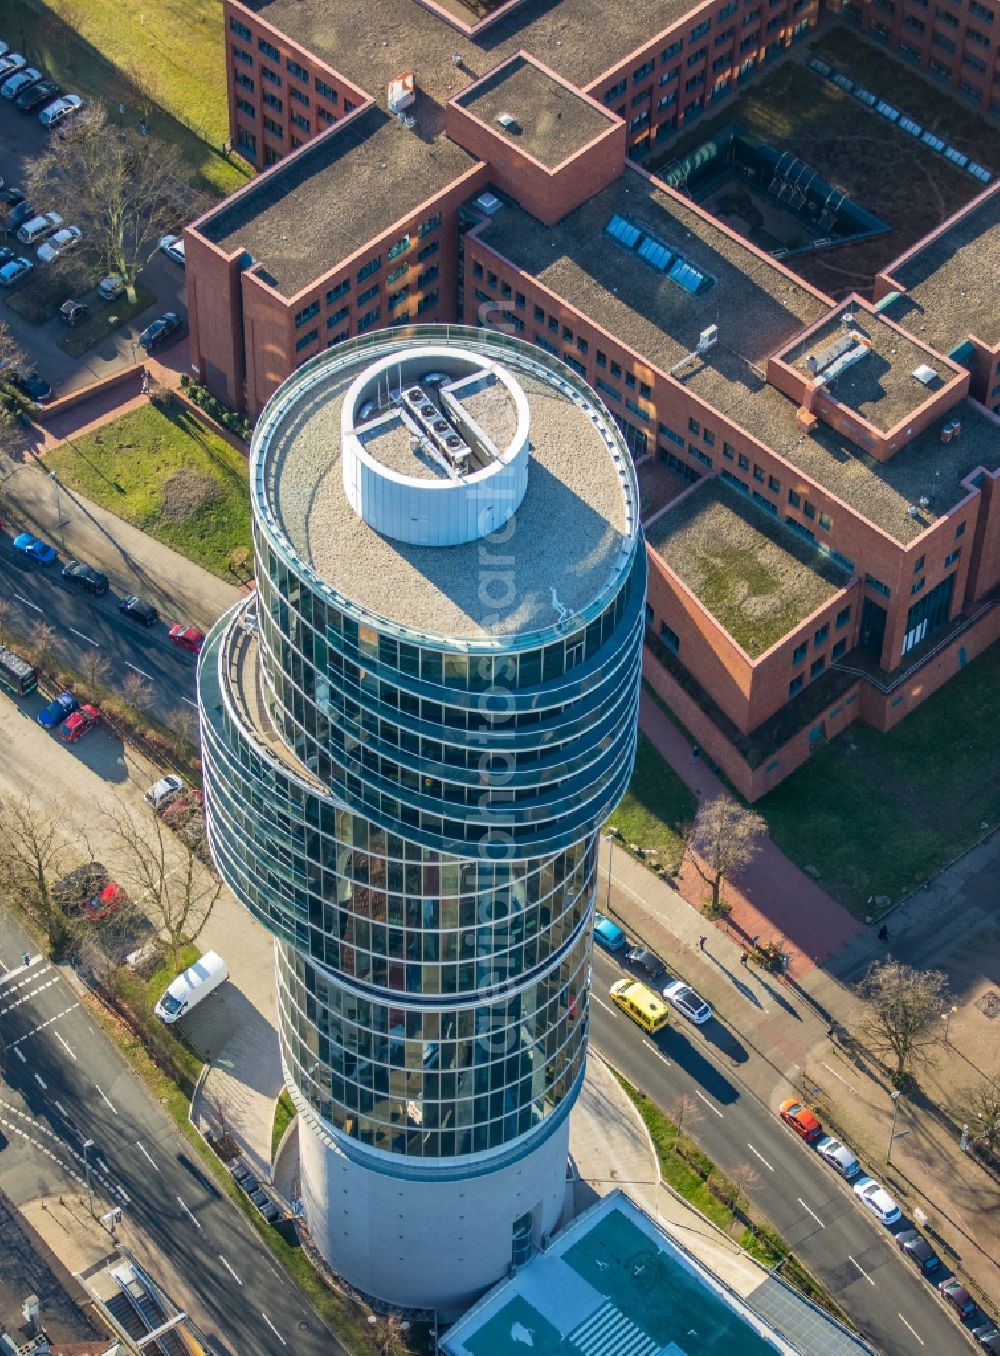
(43, 639)
(119, 187)
(12, 401)
(721, 841)
(685, 1113)
(166, 878)
(5, 606)
(136, 690)
(389, 1335)
(902, 1013)
(94, 667)
(981, 1103)
(33, 853)
(184, 722)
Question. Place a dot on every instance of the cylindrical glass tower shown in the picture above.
(411, 738)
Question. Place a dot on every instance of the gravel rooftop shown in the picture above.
(567, 535)
(553, 122)
(955, 280)
(322, 205)
(880, 387)
(755, 576)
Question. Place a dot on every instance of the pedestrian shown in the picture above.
(744, 958)
(883, 933)
(701, 943)
(145, 383)
(755, 939)
(695, 753)
(831, 1031)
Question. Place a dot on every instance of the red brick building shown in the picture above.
(818, 478)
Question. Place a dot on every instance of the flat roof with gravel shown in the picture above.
(954, 280)
(568, 534)
(371, 45)
(320, 206)
(880, 386)
(754, 575)
(551, 121)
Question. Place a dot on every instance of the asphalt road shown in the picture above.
(38, 593)
(66, 1082)
(811, 1207)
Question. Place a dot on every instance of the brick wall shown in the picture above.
(215, 317)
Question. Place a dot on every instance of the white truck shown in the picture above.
(189, 988)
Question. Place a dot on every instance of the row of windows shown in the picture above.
(816, 668)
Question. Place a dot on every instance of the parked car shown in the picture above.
(59, 243)
(173, 247)
(86, 576)
(991, 1343)
(918, 1250)
(139, 610)
(647, 961)
(10, 197)
(34, 548)
(37, 228)
(81, 722)
(838, 1156)
(154, 336)
(21, 212)
(983, 1328)
(608, 934)
(875, 1198)
(14, 270)
(5, 253)
(13, 61)
(80, 885)
(163, 791)
(106, 902)
(57, 710)
(72, 312)
(36, 388)
(61, 108)
(803, 1121)
(21, 80)
(957, 1296)
(4, 49)
(41, 93)
(187, 637)
(687, 1002)
(111, 287)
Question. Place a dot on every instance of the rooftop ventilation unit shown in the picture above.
(508, 123)
(488, 203)
(438, 433)
(401, 92)
(913, 511)
(925, 374)
(924, 502)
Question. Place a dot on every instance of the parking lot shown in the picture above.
(21, 138)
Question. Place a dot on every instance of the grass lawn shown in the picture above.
(161, 469)
(165, 62)
(656, 804)
(879, 813)
(38, 299)
(105, 317)
(284, 1114)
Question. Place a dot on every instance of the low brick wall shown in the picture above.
(237, 443)
(46, 415)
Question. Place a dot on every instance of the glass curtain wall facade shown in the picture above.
(415, 817)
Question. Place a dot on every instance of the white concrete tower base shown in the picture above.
(435, 1244)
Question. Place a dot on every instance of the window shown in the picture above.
(245, 106)
(242, 31)
(696, 57)
(960, 531)
(427, 276)
(758, 473)
(542, 342)
(817, 667)
(244, 81)
(821, 636)
(982, 12)
(571, 361)
(305, 315)
(582, 346)
(877, 586)
(709, 437)
(426, 302)
(945, 44)
(396, 273)
(273, 126)
(825, 522)
(242, 56)
(630, 404)
(430, 248)
(367, 294)
(616, 369)
(246, 141)
(839, 649)
(694, 427)
(394, 251)
(396, 298)
(324, 115)
(264, 46)
(843, 617)
(642, 71)
(306, 340)
(800, 652)
(672, 50)
(796, 685)
(298, 96)
(728, 452)
(694, 82)
(369, 319)
(337, 318)
(601, 358)
(670, 638)
(640, 121)
(671, 436)
(554, 324)
(327, 91)
(491, 278)
(795, 499)
(918, 586)
(272, 101)
(297, 69)
(809, 509)
(630, 381)
(520, 301)
(952, 556)
(338, 291)
(539, 313)
(372, 266)
(979, 39)
(743, 462)
(699, 30)
(272, 77)
(348, 107)
(608, 389)
(610, 95)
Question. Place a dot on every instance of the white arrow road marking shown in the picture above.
(862, 1270)
(145, 1153)
(906, 1325)
(697, 1093)
(229, 1269)
(97, 643)
(107, 1099)
(759, 1155)
(187, 1212)
(274, 1330)
(810, 1212)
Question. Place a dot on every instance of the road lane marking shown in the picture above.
(700, 1094)
(906, 1325)
(229, 1269)
(66, 1045)
(862, 1270)
(145, 1153)
(190, 702)
(142, 672)
(20, 1054)
(41, 1082)
(61, 1109)
(658, 1053)
(27, 997)
(810, 1212)
(837, 1075)
(28, 979)
(759, 1155)
(27, 602)
(274, 1330)
(601, 1004)
(190, 1216)
(103, 1167)
(107, 1099)
(97, 643)
(41, 1027)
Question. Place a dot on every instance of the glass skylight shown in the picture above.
(659, 256)
(687, 276)
(623, 230)
(654, 253)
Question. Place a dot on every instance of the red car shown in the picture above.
(801, 1119)
(105, 903)
(74, 727)
(187, 637)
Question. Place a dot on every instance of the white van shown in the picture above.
(188, 989)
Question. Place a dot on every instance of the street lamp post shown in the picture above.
(59, 518)
(946, 1017)
(88, 1144)
(895, 1095)
(611, 849)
